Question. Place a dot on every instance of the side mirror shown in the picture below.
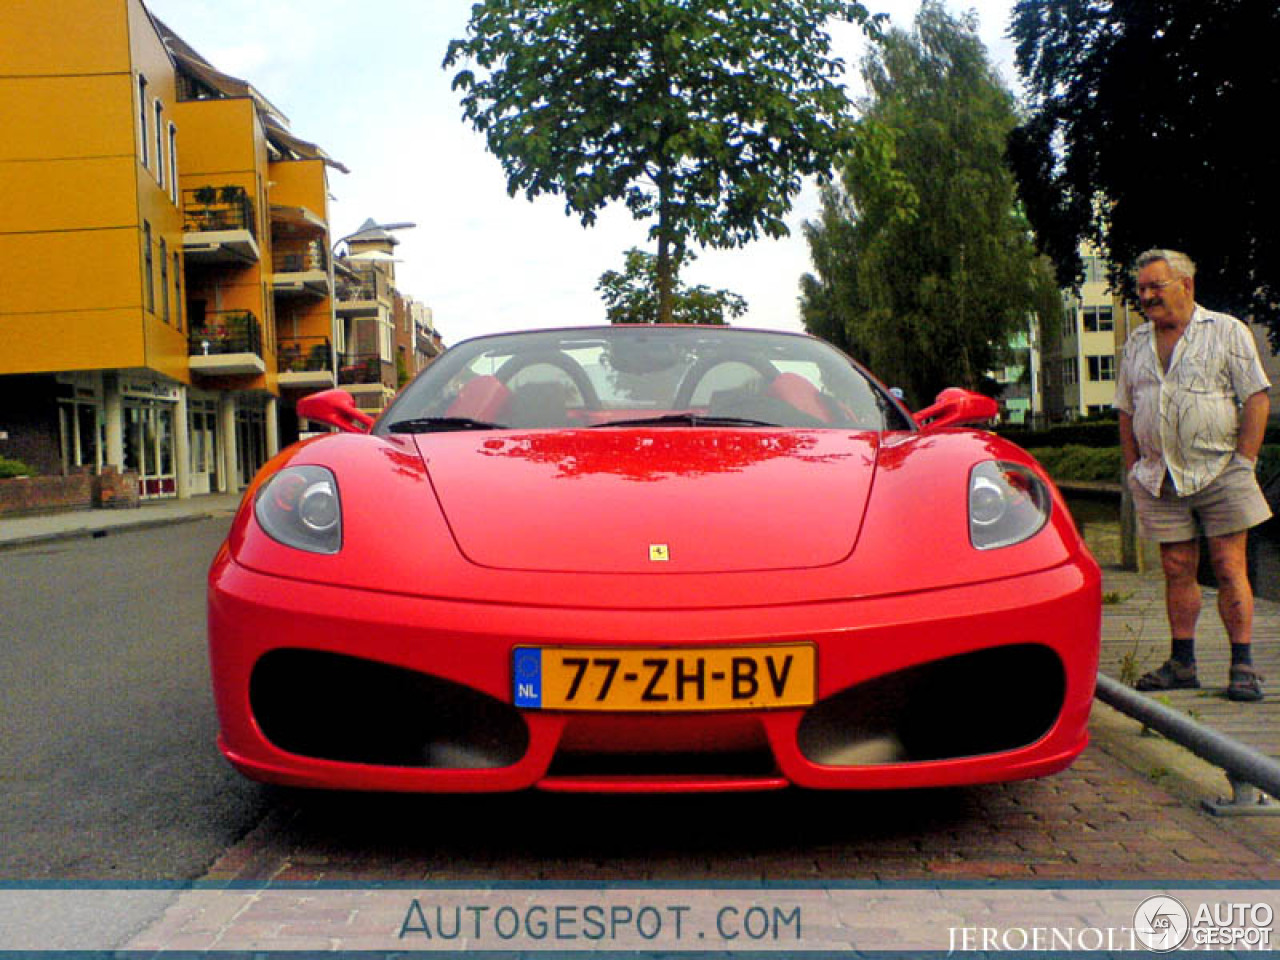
(954, 407)
(337, 408)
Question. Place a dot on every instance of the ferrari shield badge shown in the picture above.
(659, 553)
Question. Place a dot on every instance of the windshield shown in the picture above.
(614, 377)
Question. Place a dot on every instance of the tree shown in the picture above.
(632, 296)
(701, 115)
(924, 267)
(1144, 133)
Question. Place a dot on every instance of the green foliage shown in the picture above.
(632, 296)
(1087, 464)
(701, 115)
(1105, 464)
(13, 468)
(1143, 132)
(923, 266)
(1101, 433)
(1269, 462)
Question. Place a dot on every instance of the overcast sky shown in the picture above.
(364, 81)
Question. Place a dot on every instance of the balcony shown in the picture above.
(219, 226)
(305, 363)
(427, 343)
(359, 292)
(366, 373)
(227, 343)
(301, 272)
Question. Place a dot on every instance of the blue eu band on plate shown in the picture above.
(661, 680)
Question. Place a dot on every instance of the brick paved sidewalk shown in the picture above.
(1135, 639)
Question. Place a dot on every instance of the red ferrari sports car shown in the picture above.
(641, 558)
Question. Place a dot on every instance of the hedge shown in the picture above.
(1088, 433)
(14, 468)
(1093, 464)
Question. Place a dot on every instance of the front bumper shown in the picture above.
(328, 687)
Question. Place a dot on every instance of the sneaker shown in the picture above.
(1170, 675)
(1245, 685)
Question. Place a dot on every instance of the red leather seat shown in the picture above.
(800, 393)
(481, 398)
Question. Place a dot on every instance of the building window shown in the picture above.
(148, 272)
(177, 290)
(1070, 371)
(144, 135)
(159, 109)
(1102, 369)
(173, 163)
(1098, 319)
(164, 280)
(1095, 271)
(386, 340)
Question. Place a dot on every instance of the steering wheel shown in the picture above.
(554, 358)
(698, 372)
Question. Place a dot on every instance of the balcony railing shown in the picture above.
(364, 288)
(208, 209)
(227, 331)
(362, 368)
(362, 293)
(304, 354)
(301, 261)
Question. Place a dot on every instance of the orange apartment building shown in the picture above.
(167, 290)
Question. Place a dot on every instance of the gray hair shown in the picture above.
(1179, 263)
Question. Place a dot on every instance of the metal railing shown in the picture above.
(299, 354)
(367, 285)
(301, 261)
(227, 331)
(1248, 770)
(207, 209)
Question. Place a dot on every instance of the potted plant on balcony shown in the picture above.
(232, 198)
(206, 197)
(318, 359)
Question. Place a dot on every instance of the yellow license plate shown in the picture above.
(647, 679)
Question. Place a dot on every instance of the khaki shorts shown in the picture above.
(1231, 503)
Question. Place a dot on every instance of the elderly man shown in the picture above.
(1192, 401)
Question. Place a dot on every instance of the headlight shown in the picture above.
(300, 507)
(1008, 503)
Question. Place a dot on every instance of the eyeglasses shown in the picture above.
(1152, 287)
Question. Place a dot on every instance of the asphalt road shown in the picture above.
(108, 769)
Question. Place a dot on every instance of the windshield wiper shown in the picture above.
(687, 420)
(442, 425)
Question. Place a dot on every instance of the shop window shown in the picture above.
(81, 438)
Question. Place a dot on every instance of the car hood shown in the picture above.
(652, 500)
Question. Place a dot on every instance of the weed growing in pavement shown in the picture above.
(1129, 668)
(1129, 662)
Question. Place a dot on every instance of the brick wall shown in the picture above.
(80, 491)
(34, 494)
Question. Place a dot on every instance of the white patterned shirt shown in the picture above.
(1186, 420)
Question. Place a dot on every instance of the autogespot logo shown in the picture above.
(1161, 924)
